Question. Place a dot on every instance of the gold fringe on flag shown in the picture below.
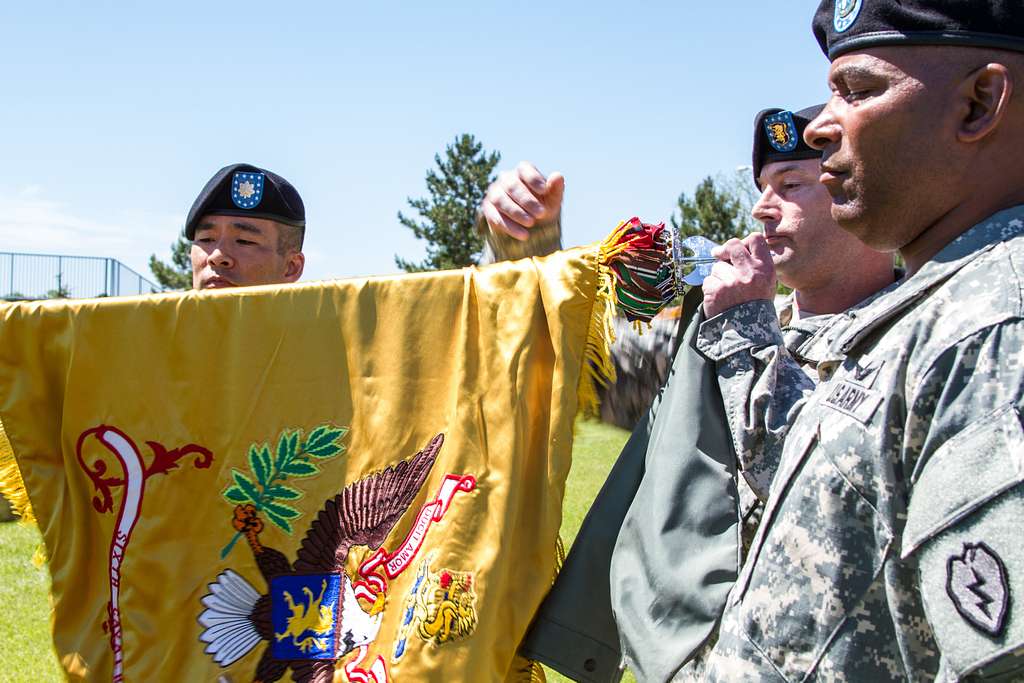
(559, 554)
(12, 486)
(598, 369)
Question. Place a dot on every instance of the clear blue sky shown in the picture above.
(114, 115)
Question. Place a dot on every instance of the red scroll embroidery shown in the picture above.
(397, 562)
(378, 672)
(383, 565)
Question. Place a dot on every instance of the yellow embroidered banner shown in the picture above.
(356, 480)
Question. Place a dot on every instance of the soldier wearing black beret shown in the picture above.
(890, 547)
(809, 251)
(779, 136)
(246, 227)
(829, 270)
(842, 26)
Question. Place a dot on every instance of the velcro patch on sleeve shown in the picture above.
(964, 525)
(972, 582)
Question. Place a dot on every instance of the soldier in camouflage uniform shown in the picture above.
(808, 250)
(890, 547)
(807, 246)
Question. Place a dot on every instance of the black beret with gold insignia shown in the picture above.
(247, 190)
(845, 25)
(779, 136)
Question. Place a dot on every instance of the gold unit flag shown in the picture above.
(354, 480)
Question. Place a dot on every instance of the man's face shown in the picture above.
(887, 161)
(794, 209)
(233, 251)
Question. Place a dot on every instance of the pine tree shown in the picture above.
(714, 212)
(456, 189)
(177, 274)
(740, 185)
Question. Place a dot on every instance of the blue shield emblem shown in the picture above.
(781, 131)
(409, 612)
(846, 13)
(247, 190)
(304, 611)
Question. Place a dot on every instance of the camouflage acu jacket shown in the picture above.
(746, 390)
(890, 546)
(796, 336)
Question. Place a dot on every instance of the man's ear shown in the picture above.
(986, 93)
(295, 262)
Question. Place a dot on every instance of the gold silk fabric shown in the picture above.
(357, 480)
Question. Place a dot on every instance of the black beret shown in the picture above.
(844, 25)
(779, 136)
(246, 190)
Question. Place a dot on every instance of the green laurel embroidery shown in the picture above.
(295, 457)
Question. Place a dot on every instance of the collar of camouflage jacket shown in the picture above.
(800, 333)
(784, 308)
(801, 340)
(844, 332)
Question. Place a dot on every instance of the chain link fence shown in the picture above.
(48, 276)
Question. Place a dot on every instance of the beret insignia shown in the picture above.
(247, 190)
(781, 131)
(846, 13)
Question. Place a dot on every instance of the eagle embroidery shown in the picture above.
(311, 616)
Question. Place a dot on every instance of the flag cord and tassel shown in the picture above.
(635, 275)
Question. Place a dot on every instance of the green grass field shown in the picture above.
(27, 654)
(593, 454)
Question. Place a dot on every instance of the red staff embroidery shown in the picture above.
(133, 476)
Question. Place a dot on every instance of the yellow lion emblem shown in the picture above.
(313, 617)
(440, 608)
(779, 133)
(446, 607)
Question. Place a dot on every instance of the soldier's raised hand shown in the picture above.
(522, 199)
